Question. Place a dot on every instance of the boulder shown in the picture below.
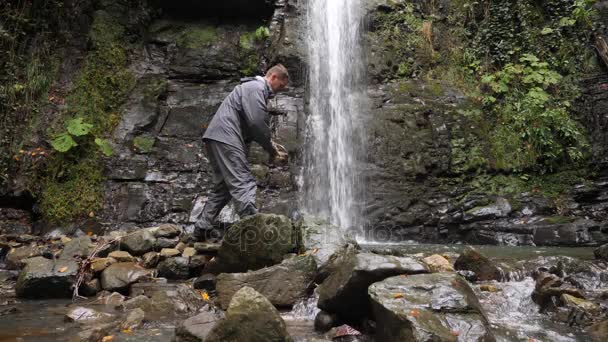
(325, 321)
(166, 242)
(549, 288)
(84, 315)
(174, 268)
(250, 318)
(438, 263)
(79, 247)
(139, 242)
(122, 256)
(16, 256)
(90, 288)
(189, 252)
(428, 307)
(207, 247)
(166, 230)
(281, 284)
(168, 300)
(205, 282)
(601, 252)
(353, 274)
(198, 327)
(321, 240)
(100, 264)
(119, 276)
(472, 260)
(150, 260)
(257, 241)
(44, 278)
(169, 253)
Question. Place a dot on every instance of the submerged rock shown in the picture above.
(472, 260)
(44, 278)
(257, 241)
(353, 274)
(250, 318)
(428, 307)
(134, 319)
(281, 284)
(119, 276)
(198, 327)
(87, 315)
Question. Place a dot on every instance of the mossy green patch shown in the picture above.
(143, 143)
(196, 37)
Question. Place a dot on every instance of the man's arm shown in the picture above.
(258, 119)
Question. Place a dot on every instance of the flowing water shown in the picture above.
(336, 99)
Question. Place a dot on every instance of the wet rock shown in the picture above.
(150, 260)
(174, 268)
(96, 333)
(197, 264)
(197, 328)
(100, 264)
(281, 284)
(601, 252)
(16, 256)
(599, 331)
(139, 242)
(167, 230)
(489, 288)
(44, 278)
(79, 247)
(325, 321)
(112, 299)
(501, 208)
(181, 246)
(321, 240)
(122, 256)
(346, 333)
(138, 302)
(549, 288)
(352, 276)
(169, 253)
(87, 315)
(166, 243)
(257, 241)
(168, 300)
(438, 263)
(134, 320)
(589, 308)
(472, 260)
(428, 307)
(250, 317)
(205, 282)
(119, 276)
(207, 247)
(90, 288)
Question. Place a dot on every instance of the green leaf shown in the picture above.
(567, 22)
(78, 128)
(104, 146)
(63, 143)
(546, 31)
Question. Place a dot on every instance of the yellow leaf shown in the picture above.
(107, 338)
(90, 233)
(398, 295)
(204, 295)
(63, 269)
(415, 313)
(127, 330)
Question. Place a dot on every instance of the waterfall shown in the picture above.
(336, 97)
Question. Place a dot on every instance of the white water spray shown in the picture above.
(331, 186)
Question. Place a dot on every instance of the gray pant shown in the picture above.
(232, 179)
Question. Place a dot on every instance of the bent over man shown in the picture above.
(241, 118)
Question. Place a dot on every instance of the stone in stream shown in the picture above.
(198, 327)
(122, 256)
(96, 333)
(257, 241)
(166, 230)
(169, 253)
(601, 252)
(250, 317)
(207, 247)
(137, 302)
(325, 321)
(550, 287)
(205, 282)
(472, 260)
(166, 243)
(174, 268)
(438, 263)
(428, 307)
(281, 284)
(100, 264)
(90, 288)
(599, 331)
(84, 315)
(167, 300)
(139, 242)
(79, 247)
(353, 273)
(44, 278)
(150, 260)
(119, 276)
(16, 256)
(134, 319)
(321, 240)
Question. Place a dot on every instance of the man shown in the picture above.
(241, 118)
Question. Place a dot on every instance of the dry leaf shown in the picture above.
(415, 313)
(398, 295)
(63, 269)
(89, 233)
(127, 330)
(204, 295)
(107, 338)
(91, 214)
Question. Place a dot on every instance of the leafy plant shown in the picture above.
(75, 128)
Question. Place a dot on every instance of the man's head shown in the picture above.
(277, 78)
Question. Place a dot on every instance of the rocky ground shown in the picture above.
(127, 282)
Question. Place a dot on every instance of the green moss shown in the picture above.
(77, 194)
(559, 219)
(196, 37)
(143, 143)
(155, 88)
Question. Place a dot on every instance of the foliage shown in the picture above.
(249, 43)
(197, 37)
(143, 143)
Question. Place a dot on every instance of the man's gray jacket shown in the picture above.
(243, 116)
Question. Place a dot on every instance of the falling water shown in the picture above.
(334, 143)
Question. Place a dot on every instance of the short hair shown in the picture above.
(279, 70)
